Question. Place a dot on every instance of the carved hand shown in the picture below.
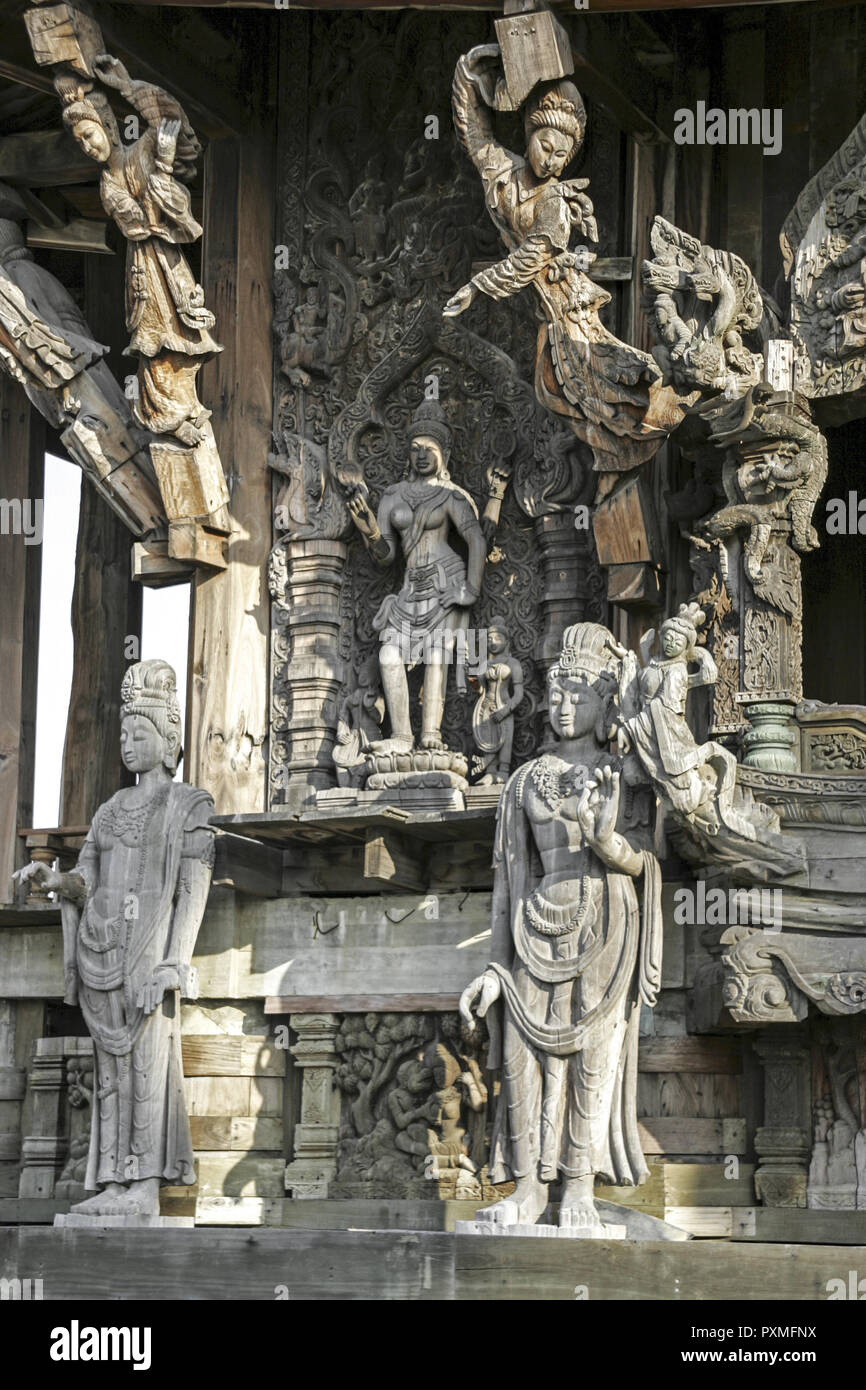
(150, 995)
(478, 995)
(47, 878)
(111, 72)
(361, 513)
(459, 302)
(598, 807)
(166, 140)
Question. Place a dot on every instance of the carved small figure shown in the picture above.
(493, 715)
(696, 780)
(303, 350)
(572, 956)
(359, 726)
(419, 624)
(131, 910)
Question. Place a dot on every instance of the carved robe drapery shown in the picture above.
(143, 867)
(165, 312)
(571, 996)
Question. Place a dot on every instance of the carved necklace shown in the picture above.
(555, 780)
(555, 919)
(418, 492)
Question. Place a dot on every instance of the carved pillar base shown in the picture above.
(315, 1161)
(771, 742)
(308, 671)
(783, 1143)
(44, 1149)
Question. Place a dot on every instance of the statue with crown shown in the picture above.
(131, 911)
(575, 950)
(421, 515)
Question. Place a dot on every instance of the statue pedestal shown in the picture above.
(486, 1228)
(127, 1223)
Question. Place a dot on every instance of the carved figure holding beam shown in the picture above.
(142, 188)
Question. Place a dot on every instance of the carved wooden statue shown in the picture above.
(611, 394)
(419, 624)
(142, 188)
(359, 726)
(132, 908)
(493, 716)
(572, 956)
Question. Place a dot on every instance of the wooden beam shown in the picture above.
(362, 1004)
(22, 449)
(106, 605)
(44, 159)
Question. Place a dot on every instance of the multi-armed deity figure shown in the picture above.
(573, 953)
(142, 188)
(611, 394)
(131, 909)
(420, 623)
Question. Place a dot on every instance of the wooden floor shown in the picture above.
(404, 1265)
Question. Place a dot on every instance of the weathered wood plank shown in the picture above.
(673, 1134)
(360, 1003)
(228, 685)
(241, 1132)
(231, 1055)
(702, 1054)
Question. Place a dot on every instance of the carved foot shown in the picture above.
(577, 1209)
(392, 745)
(94, 1206)
(522, 1208)
(432, 741)
(142, 1198)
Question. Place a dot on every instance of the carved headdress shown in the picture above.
(557, 107)
(586, 655)
(429, 420)
(687, 621)
(149, 688)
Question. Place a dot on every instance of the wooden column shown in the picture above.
(106, 605)
(228, 688)
(22, 472)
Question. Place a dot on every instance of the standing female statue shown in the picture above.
(131, 909)
(493, 715)
(573, 954)
(142, 188)
(611, 394)
(419, 623)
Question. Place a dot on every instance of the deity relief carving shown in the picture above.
(420, 622)
(131, 909)
(574, 952)
(414, 1111)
